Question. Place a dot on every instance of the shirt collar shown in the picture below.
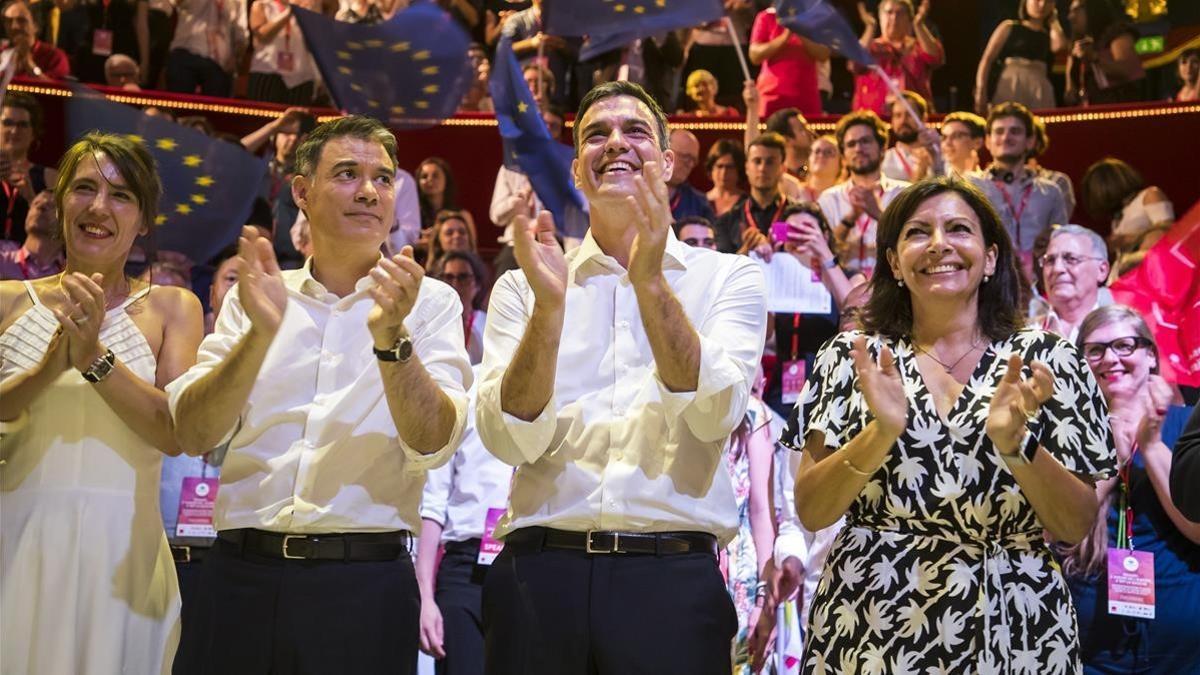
(674, 257)
(303, 282)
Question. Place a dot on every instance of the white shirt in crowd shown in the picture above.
(835, 204)
(507, 205)
(407, 227)
(265, 58)
(900, 165)
(218, 31)
(614, 449)
(316, 449)
(796, 541)
(459, 493)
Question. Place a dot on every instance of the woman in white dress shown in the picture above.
(87, 584)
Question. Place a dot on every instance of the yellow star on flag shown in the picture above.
(344, 70)
(639, 10)
(429, 70)
(167, 144)
(422, 104)
(160, 219)
(356, 87)
(135, 138)
(199, 199)
(353, 45)
(522, 106)
(372, 103)
(204, 181)
(183, 208)
(421, 55)
(618, 8)
(430, 89)
(401, 46)
(661, 3)
(397, 110)
(345, 56)
(192, 160)
(373, 44)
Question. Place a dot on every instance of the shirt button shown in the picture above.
(619, 411)
(623, 324)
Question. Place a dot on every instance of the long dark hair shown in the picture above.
(889, 311)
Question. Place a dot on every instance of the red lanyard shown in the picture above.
(1013, 211)
(748, 220)
(676, 199)
(10, 193)
(904, 162)
(864, 222)
(468, 325)
(23, 263)
(287, 27)
(1125, 510)
(795, 336)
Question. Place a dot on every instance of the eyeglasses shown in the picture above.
(1094, 351)
(458, 278)
(17, 124)
(706, 242)
(1069, 259)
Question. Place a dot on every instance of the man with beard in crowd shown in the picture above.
(917, 152)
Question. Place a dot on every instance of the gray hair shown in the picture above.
(1099, 248)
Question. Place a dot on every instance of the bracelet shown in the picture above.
(850, 465)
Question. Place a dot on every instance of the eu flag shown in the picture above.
(408, 72)
(209, 185)
(638, 18)
(818, 21)
(528, 147)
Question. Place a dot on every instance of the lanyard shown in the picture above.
(748, 220)
(287, 27)
(904, 162)
(1016, 213)
(795, 336)
(864, 221)
(675, 201)
(23, 263)
(10, 193)
(1125, 508)
(104, 18)
(469, 324)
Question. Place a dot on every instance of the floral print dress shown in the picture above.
(942, 566)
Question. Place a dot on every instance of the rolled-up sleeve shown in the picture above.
(232, 324)
(790, 542)
(437, 334)
(436, 494)
(512, 440)
(731, 345)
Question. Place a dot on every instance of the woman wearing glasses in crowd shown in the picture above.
(1120, 351)
(938, 431)
(87, 582)
(466, 273)
(21, 179)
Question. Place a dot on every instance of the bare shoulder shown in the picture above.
(1155, 195)
(14, 301)
(173, 303)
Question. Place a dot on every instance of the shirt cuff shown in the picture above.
(532, 438)
(717, 374)
(14, 425)
(417, 461)
(789, 545)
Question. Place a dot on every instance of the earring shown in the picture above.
(900, 283)
(986, 278)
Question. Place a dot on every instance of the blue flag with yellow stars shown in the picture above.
(209, 185)
(638, 18)
(408, 72)
(528, 147)
(818, 21)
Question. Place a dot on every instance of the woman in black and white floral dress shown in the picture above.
(951, 439)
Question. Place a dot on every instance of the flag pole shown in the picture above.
(541, 60)
(737, 47)
(895, 90)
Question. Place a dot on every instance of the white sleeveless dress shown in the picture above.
(87, 583)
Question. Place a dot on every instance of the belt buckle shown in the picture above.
(187, 554)
(616, 543)
(286, 539)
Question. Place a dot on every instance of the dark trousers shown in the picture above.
(459, 596)
(271, 89)
(562, 612)
(265, 616)
(187, 71)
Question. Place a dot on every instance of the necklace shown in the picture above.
(948, 367)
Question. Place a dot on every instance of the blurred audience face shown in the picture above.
(725, 173)
(800, 138)
(554, 124)
(617, 136)
(454, 236)
(698, 236)
(224, 278)
(168, 275)
(350, 197)
(852, 306)
(16, 132)
(862, 152)
(904, 126)
(287, 137)
(1009, 141)
(19, 25)
(1189, 68)
(764, 167)
(430, 180)
(1077, 18)
(101, 215)
(1120, 359)
(41, 218)
(702, 88)
(823, 158)
(459, 275)
(894, 20)
(687, 155)
(957, 144)
(121, 71)
(940, 253)
(1072, 271)
(1038, 9)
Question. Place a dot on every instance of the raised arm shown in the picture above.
(994, 45)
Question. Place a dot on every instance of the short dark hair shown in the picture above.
(1011, 109)
(770, 140)
(308, 153)
(133, 161)
(622, 88)
(976, 125)
(726, 146)
(780, 121)
(28, 103)
(866, 118)
(1105, 186)
(889, 311)
(1192, 51)
(811, 208)
(477, 268)
(692, 220)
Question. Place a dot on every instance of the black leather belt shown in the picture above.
(187, 554)
(347, 547)
(597, 541)
(465, 547)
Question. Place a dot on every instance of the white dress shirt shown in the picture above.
(835, 204)
(218, 31)
(614, 449)
(316, 449)
(796, 541)
(406, 229)
(459, 493)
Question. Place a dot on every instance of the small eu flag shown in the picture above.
(528, 147)
(408, 72)
(818, 21)
(209, 185)
(639, 18)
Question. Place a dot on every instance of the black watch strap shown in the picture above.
(101, 368)
(399, 353)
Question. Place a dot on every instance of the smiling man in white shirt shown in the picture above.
(328, 439)
(612, 378)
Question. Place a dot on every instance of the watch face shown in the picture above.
(404, 349)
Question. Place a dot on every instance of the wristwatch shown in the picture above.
(400, 352)
(1025, 451)
(831, 263)
(101, 368)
